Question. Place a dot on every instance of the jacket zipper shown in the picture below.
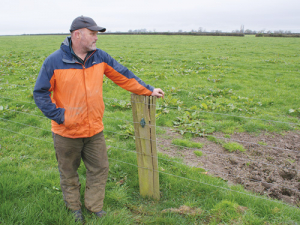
(86, 100)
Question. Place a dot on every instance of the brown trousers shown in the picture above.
(92, 151)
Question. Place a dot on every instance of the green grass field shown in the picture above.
(212, 84)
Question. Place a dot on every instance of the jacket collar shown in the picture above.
(67, 54)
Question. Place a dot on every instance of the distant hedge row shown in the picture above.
(177, 33)
(184, 33)
(277, 35)
(160, 33)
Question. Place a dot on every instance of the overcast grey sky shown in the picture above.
(56, 16)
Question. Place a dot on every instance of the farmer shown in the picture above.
(68, 91)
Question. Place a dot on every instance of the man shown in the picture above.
(68, 91)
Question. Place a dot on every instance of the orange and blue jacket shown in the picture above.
(70, 93)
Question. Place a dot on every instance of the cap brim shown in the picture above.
(97, 28)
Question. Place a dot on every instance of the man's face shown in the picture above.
(88, 39)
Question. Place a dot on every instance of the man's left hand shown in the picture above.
(158, 93)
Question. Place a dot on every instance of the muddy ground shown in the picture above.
(271, 168)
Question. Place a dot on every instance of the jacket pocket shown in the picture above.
(70, 120)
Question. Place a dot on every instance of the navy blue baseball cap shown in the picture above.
(85, 22)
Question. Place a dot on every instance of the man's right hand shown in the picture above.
(158, 93)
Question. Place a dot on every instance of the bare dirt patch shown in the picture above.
(270, 165)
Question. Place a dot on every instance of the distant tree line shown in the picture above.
(277, 35)
(193, 33)
(200, 32)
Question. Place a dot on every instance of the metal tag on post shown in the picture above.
(143, 122)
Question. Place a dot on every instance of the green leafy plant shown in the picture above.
(126, 130)
(120, 104)
(191, 123)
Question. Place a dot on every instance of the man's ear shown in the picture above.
(77, 34)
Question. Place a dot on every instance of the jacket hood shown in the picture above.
(66, 42)
(65, 45)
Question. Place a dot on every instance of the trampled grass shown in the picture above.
(224, 84)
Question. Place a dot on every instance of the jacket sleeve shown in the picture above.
(42, 93)
(125, 78)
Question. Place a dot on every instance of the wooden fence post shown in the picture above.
(143, 110)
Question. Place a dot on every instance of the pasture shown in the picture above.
(219, 90)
